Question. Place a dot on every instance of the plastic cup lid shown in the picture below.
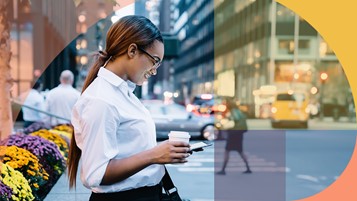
(179, 134)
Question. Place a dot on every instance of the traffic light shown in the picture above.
(323, 77)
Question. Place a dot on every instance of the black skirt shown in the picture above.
(234, 140)
(148, 193)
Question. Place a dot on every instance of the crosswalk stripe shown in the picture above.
(219, 160)
(230, 164)
(203, 160)
(257, 160)
(269, 164)
(215, 156)
(233, 169)
(201, 169)
(201, 200)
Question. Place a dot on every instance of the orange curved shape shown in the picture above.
(333, 20)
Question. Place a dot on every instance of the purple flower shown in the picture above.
(46, 151)
(5, 192)
(36, 126)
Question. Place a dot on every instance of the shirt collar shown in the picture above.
(114, 79)
(131, 85)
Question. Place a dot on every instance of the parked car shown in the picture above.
(290, 108)
(205, 104)
(174, 117)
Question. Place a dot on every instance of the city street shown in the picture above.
(314, 124)
(286, 165)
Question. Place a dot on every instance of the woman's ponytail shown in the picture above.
(102, 59)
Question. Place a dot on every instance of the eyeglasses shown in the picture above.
(157, 60)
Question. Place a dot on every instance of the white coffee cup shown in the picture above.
(180, 136)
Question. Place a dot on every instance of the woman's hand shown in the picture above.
(171, 152)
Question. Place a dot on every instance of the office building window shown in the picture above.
(287, 46)
(284, 14)
(288, 72)
(325, 49)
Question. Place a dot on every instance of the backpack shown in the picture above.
(240, 119)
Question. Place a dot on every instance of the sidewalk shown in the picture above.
(61, 192)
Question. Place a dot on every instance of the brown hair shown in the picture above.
(128, 30)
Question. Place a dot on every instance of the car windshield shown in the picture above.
(172, 111)
(200, 101)
(175, 109)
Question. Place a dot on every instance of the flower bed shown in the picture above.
(55, 138)
(5, 191)
(17, 182)
(28, 164)
(35, 127)
(33, 163)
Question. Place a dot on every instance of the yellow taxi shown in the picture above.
(290, 108)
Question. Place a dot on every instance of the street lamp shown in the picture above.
(323, 78)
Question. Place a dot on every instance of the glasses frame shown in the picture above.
(156, 59)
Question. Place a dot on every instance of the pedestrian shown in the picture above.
(235, 135)
(61, 99)
(114, 134)
(36, 101)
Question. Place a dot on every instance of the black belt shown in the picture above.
(149, 193)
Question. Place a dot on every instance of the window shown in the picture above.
(284, 14)
(287, 46)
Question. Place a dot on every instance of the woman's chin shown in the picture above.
(141, 82)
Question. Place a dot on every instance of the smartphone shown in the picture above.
(199, 145)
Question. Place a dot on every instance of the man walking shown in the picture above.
(61, 99)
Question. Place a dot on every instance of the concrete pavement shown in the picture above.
(61, 192)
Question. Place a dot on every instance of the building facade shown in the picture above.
(94, 19)
(193, 70)
(40, 32)
(261, 48)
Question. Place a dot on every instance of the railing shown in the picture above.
(38, 110)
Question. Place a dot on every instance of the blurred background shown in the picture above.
(246, 49)
(281, 73)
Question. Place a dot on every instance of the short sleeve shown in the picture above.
(96, 123)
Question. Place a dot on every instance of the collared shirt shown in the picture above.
(110, 122)
(36, 100)
(60, 102)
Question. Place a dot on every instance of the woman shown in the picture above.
(235, 135)
(114, 134)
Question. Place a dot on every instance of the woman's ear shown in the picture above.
(132, 50)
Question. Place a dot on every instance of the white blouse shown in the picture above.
(111, 122)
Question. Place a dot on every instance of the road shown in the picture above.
(314, 124)
(287, 164)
